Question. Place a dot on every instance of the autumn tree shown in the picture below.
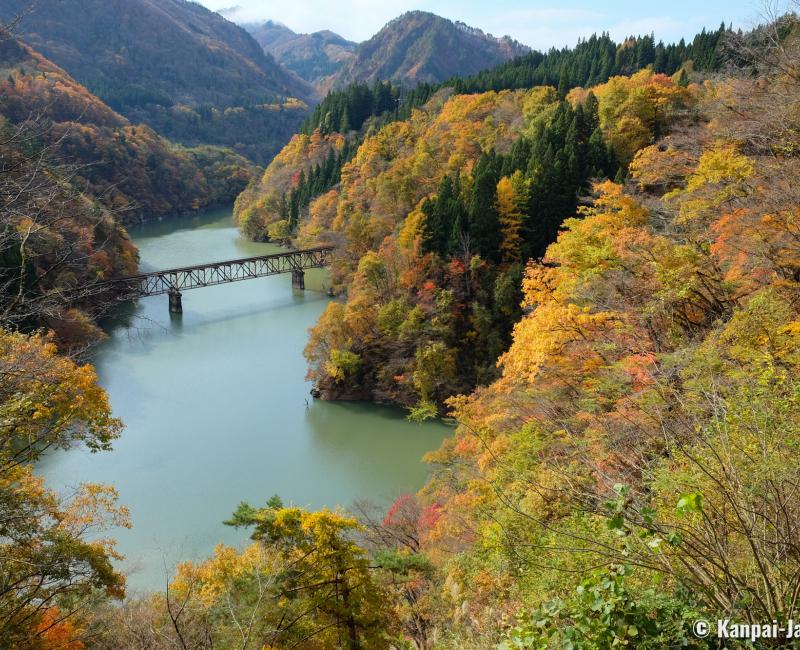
(396, 538)
(55, 246)
(512, 199)
(53, 565)
(324, 575)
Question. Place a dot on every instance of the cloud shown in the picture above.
(231, 13)
(315, 15)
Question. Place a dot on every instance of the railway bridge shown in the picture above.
(173, 282)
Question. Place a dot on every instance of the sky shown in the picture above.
(537, 23)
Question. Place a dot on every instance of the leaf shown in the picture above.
(689, 503)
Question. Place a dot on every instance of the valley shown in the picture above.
(165, 377)
(545, 392)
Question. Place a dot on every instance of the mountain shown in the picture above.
(313, 57)
(420, 46)
(186, 71)
(126, 168)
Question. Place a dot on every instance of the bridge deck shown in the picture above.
(213, 273)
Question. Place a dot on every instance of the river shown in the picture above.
(217, 409)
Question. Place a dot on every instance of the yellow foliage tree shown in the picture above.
(721, 177)
(512, 197)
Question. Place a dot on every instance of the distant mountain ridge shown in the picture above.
(186, 71)
(198, 78)
(416, 46)
(420, 46)
(314, 57)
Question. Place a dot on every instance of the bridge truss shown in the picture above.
(174, 281)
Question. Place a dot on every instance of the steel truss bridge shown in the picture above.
(173, 281)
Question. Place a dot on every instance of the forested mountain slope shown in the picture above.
(420, 46)
(314, 57)
(607, 271)
(127, 168)
(56, 244)
(360, 108)
(185, 71)
(422, 232)
(490, 176)
(649, 398)
(593, 60)
(630, 457)
(90, 171)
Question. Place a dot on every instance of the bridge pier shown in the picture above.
(175, 306)
(298, 279)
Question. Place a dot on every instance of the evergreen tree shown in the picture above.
(484, 222)
(294, 210)
(283, 207)
(442, 218)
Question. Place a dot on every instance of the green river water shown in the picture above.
(217, 410)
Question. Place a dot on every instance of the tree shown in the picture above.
(484, 222)
(605, 612)
(512, 200)
(441, 214)
(55, 246)
(46, 401)
(49, 570)
(434, 369)
(279, 232)
(325, 572)
(395, 538)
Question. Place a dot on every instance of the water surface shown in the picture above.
(217, 409)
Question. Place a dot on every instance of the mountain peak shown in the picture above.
(422, 46)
